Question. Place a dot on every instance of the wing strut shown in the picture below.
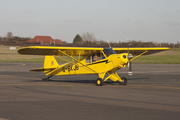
(139, 55)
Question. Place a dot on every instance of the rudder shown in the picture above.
(50, 62)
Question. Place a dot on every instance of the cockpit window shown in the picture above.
(95, 57)
(109, 51)
(88, 59)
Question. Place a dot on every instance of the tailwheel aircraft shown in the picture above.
(84, 60)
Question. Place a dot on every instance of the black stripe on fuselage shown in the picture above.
(98, 62)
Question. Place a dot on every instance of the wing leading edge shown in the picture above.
(57, 51)
(137, 51)
(82, 51)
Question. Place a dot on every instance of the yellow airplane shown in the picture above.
(101, 61)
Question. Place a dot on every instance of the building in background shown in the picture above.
(45, 40)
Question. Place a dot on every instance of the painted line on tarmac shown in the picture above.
(152, 86)
(4, 119)
(129, 86)
(34, 85)
(115, 86)
(18, 77)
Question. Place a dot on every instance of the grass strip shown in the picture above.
(158, 59)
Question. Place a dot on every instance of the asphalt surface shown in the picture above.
(152, 93)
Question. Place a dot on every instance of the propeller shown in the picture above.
(129, 64)
(129, 57)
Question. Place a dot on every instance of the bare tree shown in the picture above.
(89, 38)
(9, 35)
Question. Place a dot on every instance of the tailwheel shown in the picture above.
(46, 79)
(99, 82)
(124, 81)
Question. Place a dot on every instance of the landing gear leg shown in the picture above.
(47, 79)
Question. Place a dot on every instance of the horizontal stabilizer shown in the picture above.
(42, 69)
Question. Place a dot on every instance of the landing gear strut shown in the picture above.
(46, 79)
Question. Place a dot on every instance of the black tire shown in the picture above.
(99, 82)
(124, 81)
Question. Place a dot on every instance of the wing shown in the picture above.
(58, 51)
(137, 51)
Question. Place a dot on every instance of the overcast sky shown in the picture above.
(115, 20)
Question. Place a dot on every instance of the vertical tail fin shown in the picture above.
(50, 62)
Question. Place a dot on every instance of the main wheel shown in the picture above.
(99, 82)
(124, 81)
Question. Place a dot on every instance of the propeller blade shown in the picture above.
(130, 69)
(129, 59)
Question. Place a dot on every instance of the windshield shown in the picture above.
(109, 51)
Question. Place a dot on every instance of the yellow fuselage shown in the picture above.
(114, 61)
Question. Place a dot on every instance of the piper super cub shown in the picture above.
(85, 60)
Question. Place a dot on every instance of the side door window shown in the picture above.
(88, 59)
(95, 57)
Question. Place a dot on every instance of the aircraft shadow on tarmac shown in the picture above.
(76, 81)
(138, 78)
(88, 81)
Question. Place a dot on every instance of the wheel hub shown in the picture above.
(98, 82)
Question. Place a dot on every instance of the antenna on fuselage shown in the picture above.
(108, 43)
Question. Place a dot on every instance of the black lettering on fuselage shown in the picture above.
(70, 68)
